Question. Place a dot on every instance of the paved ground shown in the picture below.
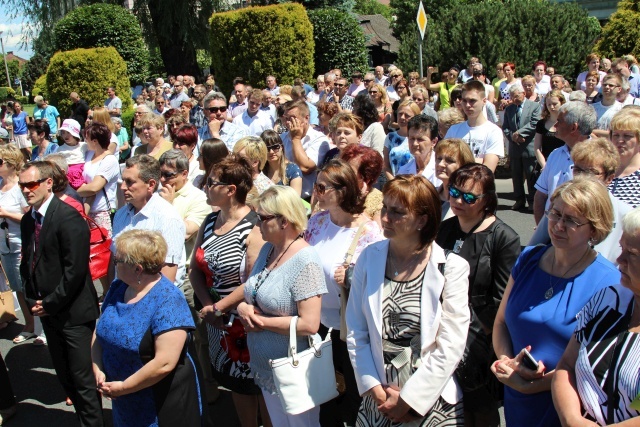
(41, 398)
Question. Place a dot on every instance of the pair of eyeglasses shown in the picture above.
(339, 85)
(367, 80)
(322, 188)
(168, 175)
(265, 218)
(216, 109)
(117, 261)
(373, 92)
(468, 198)
(31, 185)
(213, 183)
(401, 87)
(569, 223)
(578, 170)
(274, 147)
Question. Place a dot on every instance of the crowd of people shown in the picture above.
(365, 208)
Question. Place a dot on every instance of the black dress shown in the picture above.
(491, 253)
(549, 140)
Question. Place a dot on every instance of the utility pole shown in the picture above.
(6, 67)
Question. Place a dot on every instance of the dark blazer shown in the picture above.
(61, 277)
(528, 122)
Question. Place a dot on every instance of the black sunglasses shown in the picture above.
(265, 218)
(469, 198)
(213, 183)
(31, 185)
(367, 80)
(274, 147)
(322, 188)
(168, 175)
(216, 109)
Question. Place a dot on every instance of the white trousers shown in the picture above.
(310, 418)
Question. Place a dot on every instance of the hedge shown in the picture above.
(127, 120)
(258, 41)
(6, 92)
(342, 40)
(620, 34)
(103, 25)
(40, 87)
(88, 72)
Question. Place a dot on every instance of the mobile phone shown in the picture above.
(230, 322)
(529, 361)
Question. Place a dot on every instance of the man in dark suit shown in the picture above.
(58, 286)
(519, 126)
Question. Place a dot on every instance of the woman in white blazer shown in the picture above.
(408, 314)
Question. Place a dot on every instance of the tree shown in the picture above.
(340, 41)
(509, 30)
(102, 25)
(36, 67)
(621, 35)
(372, 7)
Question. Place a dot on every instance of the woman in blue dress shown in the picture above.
(139, 349)
(277, 168)
(548, 287)
(396, 146)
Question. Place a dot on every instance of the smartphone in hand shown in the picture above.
(529, 361)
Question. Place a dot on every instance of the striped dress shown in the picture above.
(602, 332)
(224, 255)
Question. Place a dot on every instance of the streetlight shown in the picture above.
(6, 67)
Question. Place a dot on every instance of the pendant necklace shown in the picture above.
(457, 246)
(549, 293)
(262, 276)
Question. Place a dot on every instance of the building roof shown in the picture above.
(11, 56)
(378, 32)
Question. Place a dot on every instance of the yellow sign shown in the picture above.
(421, 19)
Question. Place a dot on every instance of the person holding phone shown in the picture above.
(548, 286)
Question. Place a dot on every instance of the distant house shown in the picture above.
(383, 46)
(11, 56)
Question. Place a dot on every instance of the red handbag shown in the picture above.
(99, 249)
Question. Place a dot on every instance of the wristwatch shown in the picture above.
(216, 311)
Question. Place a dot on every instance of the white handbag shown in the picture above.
(307, 379)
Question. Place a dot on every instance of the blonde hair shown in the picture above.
(555, 93)
(254, 148)
(283, 201)
(528, 78)
(449, 117)
(346, 119)
(142, 247)
(457, 148)
(597, 151)
(384, 97)
(101, 115)
(591, 198)
(411, 105)
(631, 222)
(286, 89)
(12, 156)
(150, 119)
(626, 119)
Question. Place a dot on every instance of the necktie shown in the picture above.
(518, 115)
(37, 231)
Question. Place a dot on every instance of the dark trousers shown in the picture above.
(7, 399)
(70, 349)
(522, 164)
(344, 408)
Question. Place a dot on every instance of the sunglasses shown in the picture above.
(339, 85)
(275, 147)
(31, 185)
(168, 175)
(469, 198)
(265, 218)
(401, 87)
(216, 109)
(373, 92)
(367, 80)
(322, 188)
(213, 183)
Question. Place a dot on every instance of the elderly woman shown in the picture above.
(140, 345)
(625, 135)
(346, 129)
(598, 370)
(367, 164)
(314, 96)
(593, 64)
(39, 135)
(287, 280)
(423, 136)
(124, 149)
(212, 151)
(591, 90)
(254, 150)
(447, 118)
(185, 139)
(396, 147)
(490, 247)
(374, 131)
(545, 140)
(331, 232)
(542, 81)
(408, 301)
(547, 287)
(278, 169)
(153, 142)
(451, 154)
(226, 249)
(529, 86)
(185, 109)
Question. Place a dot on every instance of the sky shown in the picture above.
(12, 34)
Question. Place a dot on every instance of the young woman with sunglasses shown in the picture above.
(331, 232)
(278, 169)
(491, 248)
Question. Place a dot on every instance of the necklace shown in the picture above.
(549, 293)
(262, 276)
(405, 265)
(457, 246)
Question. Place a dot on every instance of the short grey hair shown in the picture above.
(582, 114)
(516, 88)
(578, 95)
(145, 109)
(631, 222)
(214, 96)
(329, 76)
(115, 120)
(176, 159)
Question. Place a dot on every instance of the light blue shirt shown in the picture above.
(229, 134)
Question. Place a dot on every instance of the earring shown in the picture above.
(592, 242)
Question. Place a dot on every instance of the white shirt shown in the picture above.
(429, 171)
(544, 86)
(109, 169)
(484, 139)
(255, 125)
(558, 170)
(316, 145)
(605, 113)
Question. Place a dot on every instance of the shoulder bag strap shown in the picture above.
(292, 337)
(352, 249)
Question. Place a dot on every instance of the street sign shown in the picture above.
(16, 82)
(421, 19)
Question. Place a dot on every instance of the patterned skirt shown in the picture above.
(442, 414)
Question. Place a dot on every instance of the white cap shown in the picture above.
(71, 126)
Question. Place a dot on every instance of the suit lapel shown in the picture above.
(47, 224)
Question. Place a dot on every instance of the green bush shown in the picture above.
(103, 25)
(518, 31)
(621, 34)
(127, 119)
(22, 99)
(340, 41)
(88, 72)
(372, 7)
(6, 92)
(258, 41)
(40, 87)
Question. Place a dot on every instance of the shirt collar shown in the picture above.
(43, 208)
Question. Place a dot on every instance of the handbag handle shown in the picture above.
(354, 243)
(95, 225)
(293, 351)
